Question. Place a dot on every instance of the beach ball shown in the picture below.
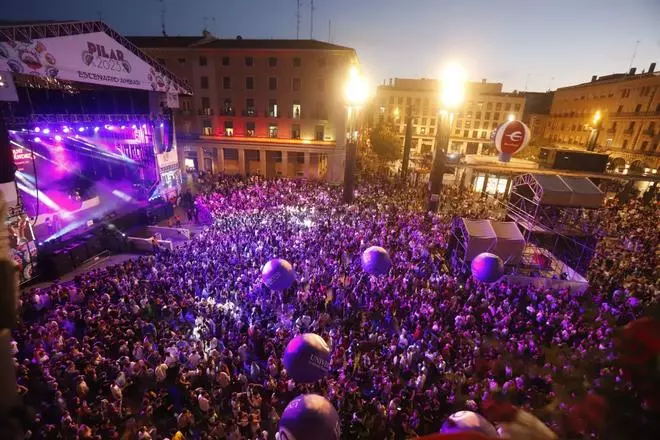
(278, 274)
(307, 358)
(309, 417)
(376, 261)
(487, 267)
(468, 421)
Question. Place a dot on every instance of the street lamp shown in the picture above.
(356, 92)
(452, 94)
(595, 131)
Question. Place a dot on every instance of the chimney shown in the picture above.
(594, 78)
(632, 70)
(652, 68)
(483, 80)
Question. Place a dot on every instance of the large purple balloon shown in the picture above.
(468, 421)
(278, 274)
(487, 267)
(376, 261)
(309, 417)
(307, 358)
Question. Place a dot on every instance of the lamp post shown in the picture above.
(355, 92)
(452, 93)
(406, 146)
(595, 131)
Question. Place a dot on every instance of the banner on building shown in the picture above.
(94, 58)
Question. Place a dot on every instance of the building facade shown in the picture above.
(629, 126)
(268, 107)
(484, 108)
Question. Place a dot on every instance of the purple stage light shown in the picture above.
(46, 130)
(96, 129)
(123, 127)
(144, 125)
(65, 129)
(37, 139)
(81, 129)
(162, 125)
(37, 129)
(134, 127)
(58, 138)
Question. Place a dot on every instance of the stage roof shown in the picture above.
(503, 239)
(85, 52)
(572, 191)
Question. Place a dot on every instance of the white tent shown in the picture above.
(510, 243)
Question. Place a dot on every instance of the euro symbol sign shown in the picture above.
(516, 136)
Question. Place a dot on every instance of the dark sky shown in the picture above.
(541, 43)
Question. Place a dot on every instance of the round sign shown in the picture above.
(510, 138)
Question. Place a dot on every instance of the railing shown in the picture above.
(634, 114)
(628, 131)
(250, 113)
(228, 112)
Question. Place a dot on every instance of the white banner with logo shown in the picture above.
(94, 58)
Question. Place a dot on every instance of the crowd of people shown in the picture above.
(188, 344)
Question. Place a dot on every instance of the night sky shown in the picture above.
(541, 43)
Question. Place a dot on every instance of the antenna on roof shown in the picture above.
(329, 31)
(297, 19)
(162, 18)
(311, 21)
(527, 81)
(550, 83)
(634, 55)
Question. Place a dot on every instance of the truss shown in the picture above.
(29, 32)
(64, 118)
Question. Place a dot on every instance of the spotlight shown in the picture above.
(37, 129)
(162, 125)
(134, 127)
(58, 138)
(65, 129)
(46, 130)
(37, 139)
(122, 127)
(96, 129)
(144, 125)
(81, 129)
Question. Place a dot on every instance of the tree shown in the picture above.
(386, 144)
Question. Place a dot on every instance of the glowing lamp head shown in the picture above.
(134, 127)
(65, 129)
(122, 127)
(81, 129)
(46, 130)
(356, 90)
(109, 127)
(162, 125)
(96, 129)
(596, 118)
(37, 129)
(512, 117)
(58, 138)
(452, 90)
(37, 139)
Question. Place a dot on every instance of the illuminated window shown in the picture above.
(229, 128)
(249, 129)
(272, 130)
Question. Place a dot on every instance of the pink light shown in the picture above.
(134, 127)
(122, 127)
(37, 129)
(81, 129)
(96, 129)
(46, 130)
(37, 139)
(65, 129)
(110, 127)
(58, 138)
(144, 125)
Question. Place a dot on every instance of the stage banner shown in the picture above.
(94, 58)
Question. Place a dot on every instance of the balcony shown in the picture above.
(250, 113)
(273, 114)
(628, 131)
(634, 115)
(205, 112)
(650, 132)
(228, 112)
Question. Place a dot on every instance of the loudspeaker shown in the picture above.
(93, 245)
(56, 264)
(78, 252)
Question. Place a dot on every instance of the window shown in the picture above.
(644, 145)
(207, 128)
(424, 121)
(400, 101)
(631, 126)
(484, 134)
(497, 116)
(625, 144)
(272, 130)
(320, 84)
(408, 102)
(206, 102)
(249, 83)
(498, 106)
(477, 124)
(459, 124)
(422, 130)
(203, 61)
(651, 130)
(319, 132)
(229, 128)
(249, 61)
(295, 131)
(625, 93)
(657, 108)
(226, 83)
(225, 61)
(468, 124)
(638, 108)
(322, 62)
(466, 133)
(620, 109)
(489, 106)
(272, 108)
(432, 130)
(249, 107)
(494, 126)
(249, 129)
(475, 134)
(517, 107)
(487, 115)
(182, 61)
(469, 114)
(204, 82)
(296, 84)
(477, 115)
(295, 111)
(432, 121)
(272, 62)
(272, 83)
(508, 106)
(297, 62)
(227, 107)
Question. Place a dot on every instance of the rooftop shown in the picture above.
(210, 42)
